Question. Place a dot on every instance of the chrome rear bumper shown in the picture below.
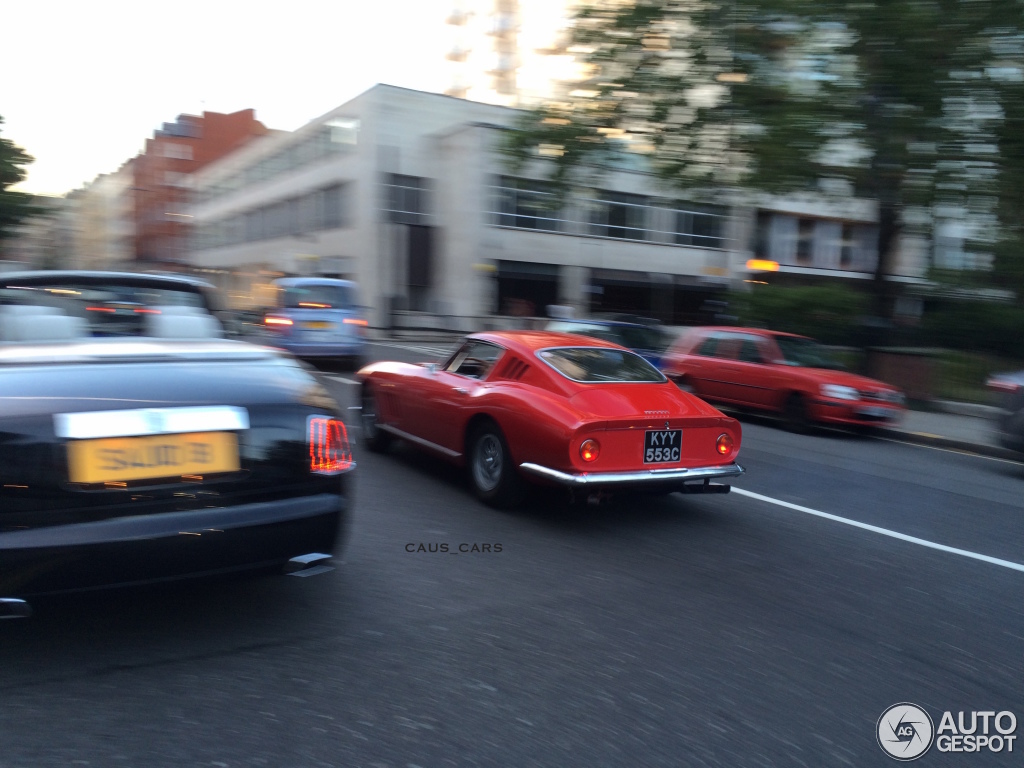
(679, 475)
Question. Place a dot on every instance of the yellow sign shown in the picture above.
(120, 459)
(762, 265)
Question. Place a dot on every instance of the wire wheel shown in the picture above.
(488, 462)
(491, 469)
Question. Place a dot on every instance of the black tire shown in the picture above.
(376, 439)
(491, 472)
(795, 413)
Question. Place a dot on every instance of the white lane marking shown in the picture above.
(344, 379)
(961, 451)
(882, 531)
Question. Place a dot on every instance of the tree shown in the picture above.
(14, 206)
(896, 100)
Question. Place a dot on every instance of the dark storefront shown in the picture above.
(666, 298)
(526, 289)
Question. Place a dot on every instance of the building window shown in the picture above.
(254, 225)
(175, 178)
(405, 199)
(332, 202)
(177, 151)
(847, 248)
(805, 242)
(621, 215)
(700, 225)
(526, 204)
(343, 131)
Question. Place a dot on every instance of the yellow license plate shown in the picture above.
(114, 459)
(318, 326)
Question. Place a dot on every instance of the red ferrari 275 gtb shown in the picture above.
(553, 408)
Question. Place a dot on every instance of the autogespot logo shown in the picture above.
(905, 731)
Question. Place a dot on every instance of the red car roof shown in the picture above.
(740, 329)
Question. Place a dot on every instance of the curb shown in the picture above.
(937, 441)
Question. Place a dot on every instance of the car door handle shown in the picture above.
(461, 390)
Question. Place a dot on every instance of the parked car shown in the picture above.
(137, 445)
(552, 408)
(645, 337)
(781, 373)
(1009, 390)
(318, 317)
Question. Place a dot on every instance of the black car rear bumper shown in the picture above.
(148, 548)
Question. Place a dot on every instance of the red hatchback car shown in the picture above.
(553, 408)
(782, 373)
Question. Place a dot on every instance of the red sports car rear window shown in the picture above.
(597, 364)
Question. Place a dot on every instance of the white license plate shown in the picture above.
(662, 445)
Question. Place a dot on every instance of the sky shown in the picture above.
(83, 83)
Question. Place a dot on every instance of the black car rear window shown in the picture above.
(642, 337)
(597, 364)
(317, 297)
(108, 310)
(633, 336)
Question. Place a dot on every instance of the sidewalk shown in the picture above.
(973, 429)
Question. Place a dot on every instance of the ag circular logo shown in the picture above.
(905, 731)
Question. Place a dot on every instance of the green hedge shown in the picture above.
(833, 314)
(974, 326)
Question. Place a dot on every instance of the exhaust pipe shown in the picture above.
(14, 608)
(308, 565)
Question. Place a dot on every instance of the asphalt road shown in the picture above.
(706, 631)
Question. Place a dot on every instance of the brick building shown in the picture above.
(160, 191)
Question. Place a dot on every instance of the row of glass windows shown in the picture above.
(322, 209)
(332, 138)
(405, 199)
(815, 242)
(531, 204)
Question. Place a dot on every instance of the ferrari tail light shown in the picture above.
(590, 449)
(724, 444)
(329, 451)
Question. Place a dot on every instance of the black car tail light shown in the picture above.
(329, 451)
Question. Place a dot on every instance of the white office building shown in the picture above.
(408, 193)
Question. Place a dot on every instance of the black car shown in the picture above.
(644, 336)
(137, 445)
(1009, 389)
